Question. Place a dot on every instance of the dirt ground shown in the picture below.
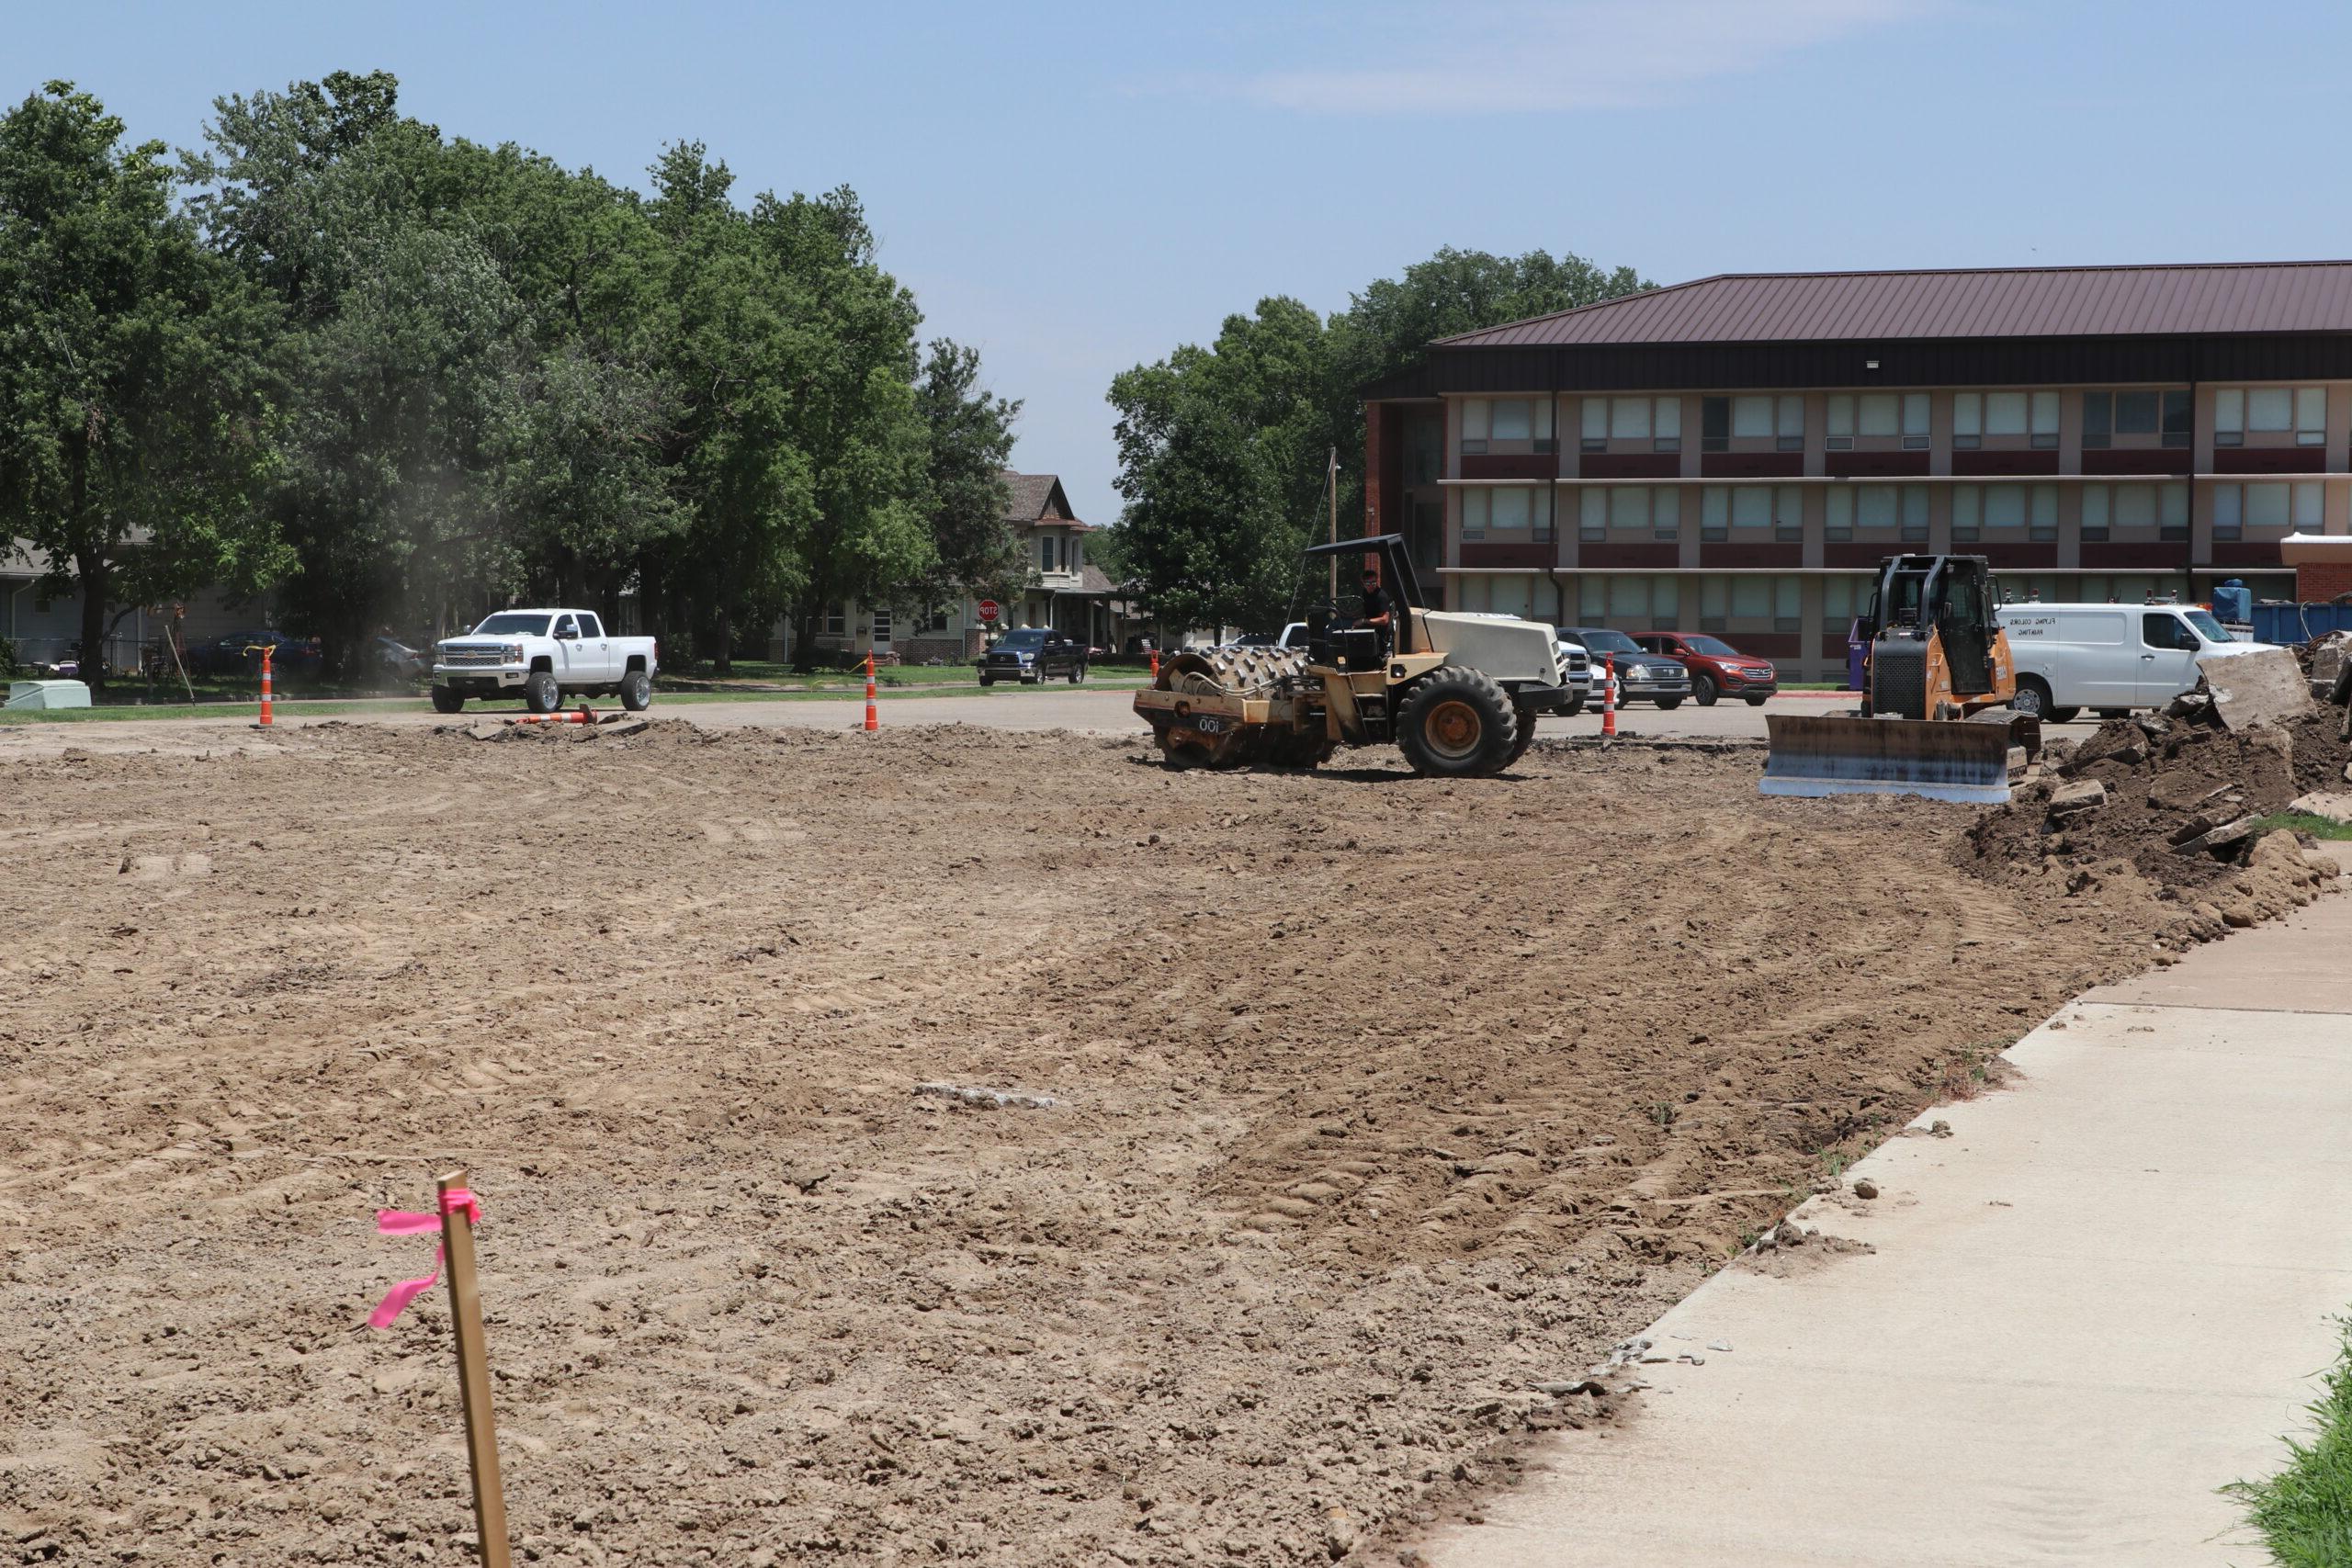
(1379, 1101)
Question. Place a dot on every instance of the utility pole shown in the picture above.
(1331, 484)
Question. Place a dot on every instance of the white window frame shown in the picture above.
(1613, 418)
(1478, 513)
(1601, 508)
(2305, 416)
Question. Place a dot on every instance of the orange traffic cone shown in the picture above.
(266, 719)
(1608, 698)
(873, 719)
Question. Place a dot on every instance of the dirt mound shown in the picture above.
(1384, 1106)
(2166, 808)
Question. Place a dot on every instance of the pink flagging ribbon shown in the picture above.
(406, 1221)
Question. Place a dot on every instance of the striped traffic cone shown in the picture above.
(873, 719)
(1608, 698)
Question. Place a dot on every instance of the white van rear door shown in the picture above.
(2168, 651)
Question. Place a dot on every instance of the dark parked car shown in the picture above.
(1033, 654)
(1717, 667)
(1644, 676)
(238, 654)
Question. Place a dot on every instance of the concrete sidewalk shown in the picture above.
(2103, 1296)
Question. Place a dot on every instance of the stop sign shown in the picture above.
(987, 611)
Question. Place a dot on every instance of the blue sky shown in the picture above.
(1076, 188)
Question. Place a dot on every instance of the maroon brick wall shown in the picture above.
(1875, 465)
(1649, 557)
(2012, 462)
(1511, 466)
(2270, 460)
(2316, 583)
(1752, 464)
(1629, 465)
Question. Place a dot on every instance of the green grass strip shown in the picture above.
(2304, 1512)
(2305, 822)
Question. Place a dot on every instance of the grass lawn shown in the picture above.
(2304, 1512)
(2318, 828)
(346, 707)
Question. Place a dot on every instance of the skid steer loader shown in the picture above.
(1937, 681)
(1459, 695)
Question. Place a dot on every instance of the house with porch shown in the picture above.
(1064, 591)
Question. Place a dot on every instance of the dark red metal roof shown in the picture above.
(1992, 303)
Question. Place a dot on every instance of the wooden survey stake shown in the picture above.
(474, 1375)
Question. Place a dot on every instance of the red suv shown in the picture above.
(1717, 667)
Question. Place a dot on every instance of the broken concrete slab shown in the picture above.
(2265, 686)
(2220, 837)
(2330, 656)
(2081, 796)
(2336, 807)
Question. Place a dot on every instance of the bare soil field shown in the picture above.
(1378, 1101)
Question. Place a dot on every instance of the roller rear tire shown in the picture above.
(1456, 723)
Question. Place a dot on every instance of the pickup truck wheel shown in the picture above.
(540, 693)
(446, 701)
(1575, 706)
(987, 680)
(637, 692)
(1077, 675)
(1667, 704)
(1703, 690)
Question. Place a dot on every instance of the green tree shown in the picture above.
(852, 411)
(1222, 451)
(976, 546)
(132, 397)
(1221, 464)
(477, 404)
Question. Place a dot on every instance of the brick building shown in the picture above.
(1734, 453)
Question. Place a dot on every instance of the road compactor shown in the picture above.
(1936, 685)
(1459, 695)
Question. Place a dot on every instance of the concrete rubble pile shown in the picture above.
(2180, 805)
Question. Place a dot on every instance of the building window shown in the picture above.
(1723, 508)
(1488, 422)
(1975, 508)
(1657, 420)
(937, 622)
(2166, 414)
(2163, 507)
(1045, 552)
(1076, 554)
(1881, 414)
(1519, 513)
(1627, 599)
(2239, 507)
(1757, 417)
(881, 627)
(1842, 599)
(1884, 508)
(1625, 509)
(1975, 415)
(2271, 410)
(836, 620)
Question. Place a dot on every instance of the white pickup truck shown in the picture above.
(546, 656)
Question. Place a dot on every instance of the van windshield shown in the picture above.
(2207, 626)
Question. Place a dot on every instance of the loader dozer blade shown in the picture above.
(1843, 754)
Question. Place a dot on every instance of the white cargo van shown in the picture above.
(2109, 658)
